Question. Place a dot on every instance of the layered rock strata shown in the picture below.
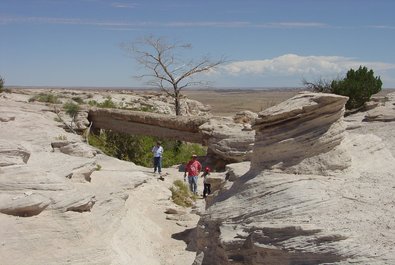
(318, 214)
(301, 129)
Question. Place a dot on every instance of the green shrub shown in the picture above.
(45, 97)
(181, 195)
(108, 103)
(93, 103)
(358, 85)
(79, 100)
(71, 109)
(98, 167)
(61, 137)
(138, 148)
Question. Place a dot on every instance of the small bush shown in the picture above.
(358, 86)
(181, 195)
(61, 137)
(92, 103)
(45, 97)
(321, 86)
(78, 100)
(71, 109)
(98, 167)
(108, 103)
(138, 148)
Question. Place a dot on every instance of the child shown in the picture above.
(207, 186)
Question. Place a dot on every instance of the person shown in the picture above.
(157, 150)
(193, 168)
(207, 186)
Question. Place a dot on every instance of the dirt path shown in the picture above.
(147, 206)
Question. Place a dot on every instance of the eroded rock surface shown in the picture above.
(61, 202)
(301, 135)
(283, 209)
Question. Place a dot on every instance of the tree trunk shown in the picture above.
(177, 105)
(177, 101)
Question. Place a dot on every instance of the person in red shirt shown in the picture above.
(193, 168)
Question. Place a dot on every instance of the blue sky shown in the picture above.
(268, 43)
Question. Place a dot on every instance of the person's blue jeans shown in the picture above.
(192, 180)
(158, 164)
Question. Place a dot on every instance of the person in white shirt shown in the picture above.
(157, 150)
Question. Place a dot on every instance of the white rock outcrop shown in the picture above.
(279, 212)
(301, 135)
(61, 202)
(227, 140)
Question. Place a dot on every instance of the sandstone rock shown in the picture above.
(78, 149)
(24, 205)
(61, 143)
(83, 173)
(318, 215)
(300, 131)
(245, 117)
(7, 118)
(381, 113)
(227, 139)
(81, 120)
(384, 110)
(12, 154)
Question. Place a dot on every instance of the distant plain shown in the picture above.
(223, 101)
(228, 102)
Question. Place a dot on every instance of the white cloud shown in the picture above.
(293, 25)
(172, 24)
(124, 5)
(292, 64)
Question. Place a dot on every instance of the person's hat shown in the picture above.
(194, 155)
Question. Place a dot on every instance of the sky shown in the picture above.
(266, 43)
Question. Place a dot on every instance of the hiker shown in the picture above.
(207, 186)
(193, 168)
(157, 150)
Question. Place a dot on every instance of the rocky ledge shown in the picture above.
(312, 194)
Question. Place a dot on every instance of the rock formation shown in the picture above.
(225, 139)
(62, 202)
(318, 190)
(286, 209)
(185, 128)
(301, 135)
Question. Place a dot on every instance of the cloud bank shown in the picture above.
(292, 64)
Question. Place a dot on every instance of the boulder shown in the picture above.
(384, 109)
(306, 129)
(227, 140)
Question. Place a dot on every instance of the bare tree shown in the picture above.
(320, 86)
(166, 70)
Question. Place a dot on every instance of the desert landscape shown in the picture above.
(309, 185)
